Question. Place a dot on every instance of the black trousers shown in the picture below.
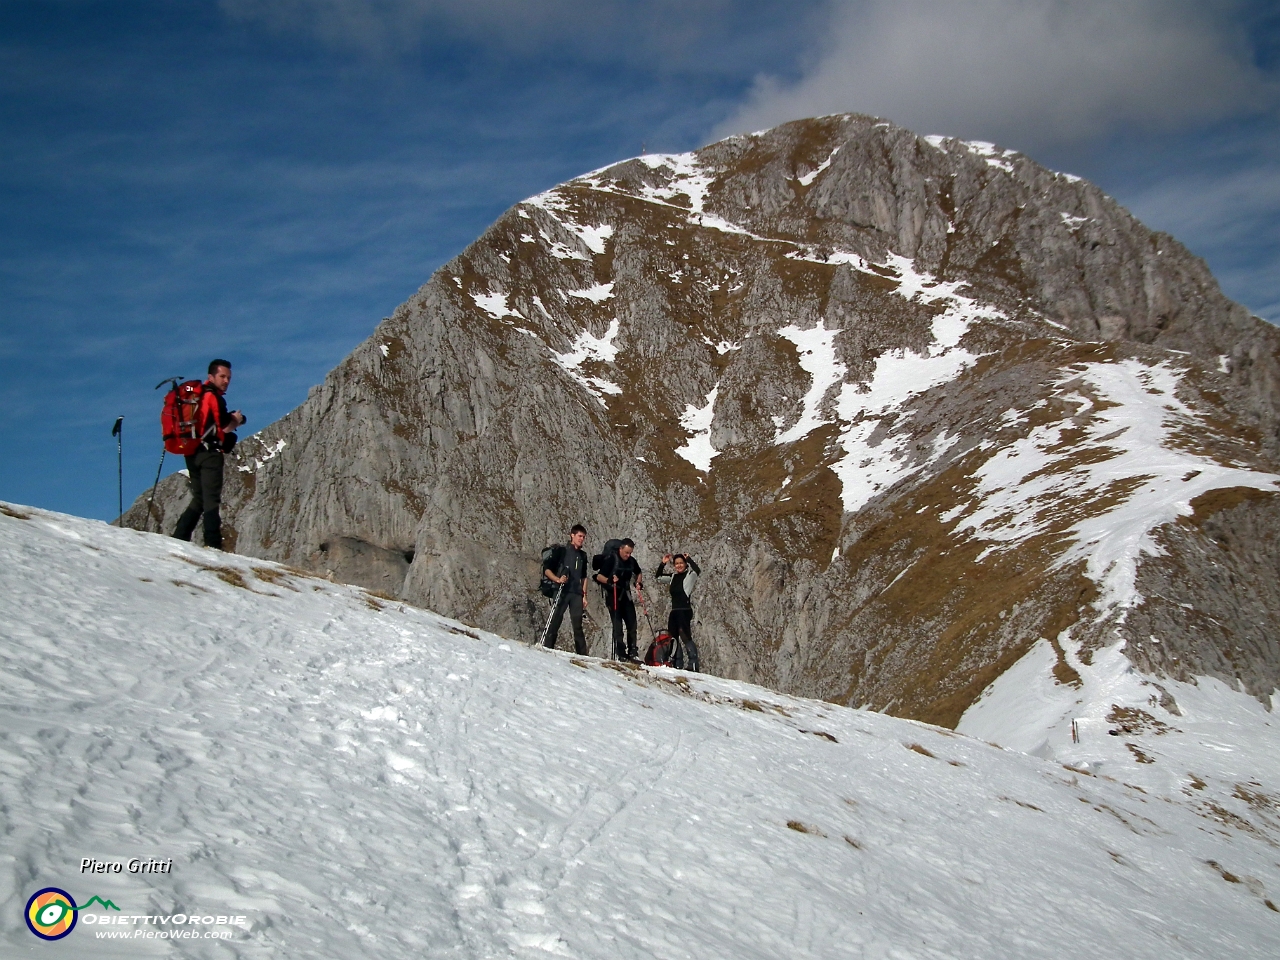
(205, 476)
(680, 624)
(624, 613)
(570, 599)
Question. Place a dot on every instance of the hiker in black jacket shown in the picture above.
(615, 576)
(568, 568)
(683, 579)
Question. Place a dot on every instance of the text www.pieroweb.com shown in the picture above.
(184, 927)
(162, 934)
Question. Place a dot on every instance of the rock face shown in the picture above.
(913, 403)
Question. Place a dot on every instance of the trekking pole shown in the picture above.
(613, 650)
(118, 432)
(555, 602)
(653, 634)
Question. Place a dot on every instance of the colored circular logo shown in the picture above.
(51, 913)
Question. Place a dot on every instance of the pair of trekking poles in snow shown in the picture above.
(551, 614)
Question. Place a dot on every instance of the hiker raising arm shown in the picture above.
(683, 579)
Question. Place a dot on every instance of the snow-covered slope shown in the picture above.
(360, 779)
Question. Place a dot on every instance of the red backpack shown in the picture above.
(661, 651)
(178, 420)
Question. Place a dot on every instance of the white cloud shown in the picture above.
(1032, 71)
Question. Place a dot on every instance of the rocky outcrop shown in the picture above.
(914, 403)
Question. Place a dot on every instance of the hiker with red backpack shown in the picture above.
(683, 579)
(617, 569)
(203, 432)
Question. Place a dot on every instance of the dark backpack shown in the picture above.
(610, 549)
(178, 418)
(552, 559)
(661, 651)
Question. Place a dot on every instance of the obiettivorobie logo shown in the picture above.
(52, 913)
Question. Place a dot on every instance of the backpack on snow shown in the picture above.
(662, 651)
(178, 418)
(549, 587)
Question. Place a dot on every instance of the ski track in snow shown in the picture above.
(387, 783)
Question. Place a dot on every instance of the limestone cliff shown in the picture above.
(912, 402)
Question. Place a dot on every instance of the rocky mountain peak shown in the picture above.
(918, 405)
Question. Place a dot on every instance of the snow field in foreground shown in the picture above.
(361, 779)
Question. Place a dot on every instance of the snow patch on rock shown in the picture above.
(812, 175)
(268, 453)
(867, 469)
(597, 294)
(593, 236)
(994, 156)
(588, 348)
(688, 178)
(697, 420)
(816, 347)
(494, 304)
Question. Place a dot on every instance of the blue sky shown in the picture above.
(267, 179)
